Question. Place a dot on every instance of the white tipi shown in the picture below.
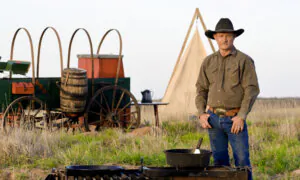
(181, 90)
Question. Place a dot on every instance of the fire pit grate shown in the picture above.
(143, 173)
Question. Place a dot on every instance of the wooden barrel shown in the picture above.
(73, 91)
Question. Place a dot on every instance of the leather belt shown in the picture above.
(224, 112)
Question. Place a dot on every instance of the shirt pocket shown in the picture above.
(212, 74)
(234, 74)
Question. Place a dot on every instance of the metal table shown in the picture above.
(155, 106)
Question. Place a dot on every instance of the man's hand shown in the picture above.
(204, 120)
(238, 125)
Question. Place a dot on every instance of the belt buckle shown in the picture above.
(220, 112)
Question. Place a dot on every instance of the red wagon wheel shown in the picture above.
(24, 112)
(113, 106)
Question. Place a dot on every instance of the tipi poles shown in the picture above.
(196, 15)
(204, 27)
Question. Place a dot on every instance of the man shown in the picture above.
(227, 85)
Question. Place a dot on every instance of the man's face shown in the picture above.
(224, 40)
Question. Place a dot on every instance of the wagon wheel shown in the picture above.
(56, 120)
(24, 112)
(112, 106)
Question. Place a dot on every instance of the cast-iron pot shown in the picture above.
(187, 158)
(92, 170)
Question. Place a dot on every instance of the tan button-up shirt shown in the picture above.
(228, 82)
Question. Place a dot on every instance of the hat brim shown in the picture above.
(210, 34)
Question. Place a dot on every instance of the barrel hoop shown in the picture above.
(79, 107)
(75, 77)
(75, 85)
(73, 94)
(75, 73)
(72, 98)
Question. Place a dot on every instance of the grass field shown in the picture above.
(274, 144)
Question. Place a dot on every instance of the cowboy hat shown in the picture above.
(224, 25)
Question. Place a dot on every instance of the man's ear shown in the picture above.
(215, 35)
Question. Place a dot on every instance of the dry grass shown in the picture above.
(273, 130)
(30, 144)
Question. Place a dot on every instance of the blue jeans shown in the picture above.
(220, 134)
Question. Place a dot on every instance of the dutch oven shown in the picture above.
(187, 157)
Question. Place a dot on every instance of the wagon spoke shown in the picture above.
(38, 110)
(99, 104)
(125, 107)
(106, 102)
(28, 109)
(97, 122)
(113, 98)
(99, 114)
(120, 115)
(127, 113)
(120, 100)
(13, 112)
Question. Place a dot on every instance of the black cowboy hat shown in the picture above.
(224, 25)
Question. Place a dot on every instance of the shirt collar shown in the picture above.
(233, 52)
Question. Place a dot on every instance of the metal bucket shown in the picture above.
(73, 90)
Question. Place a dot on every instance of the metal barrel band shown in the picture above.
(68, 93)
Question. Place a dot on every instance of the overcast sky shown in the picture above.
(153, 33)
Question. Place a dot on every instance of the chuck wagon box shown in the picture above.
(22, 88)
(105, 65)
